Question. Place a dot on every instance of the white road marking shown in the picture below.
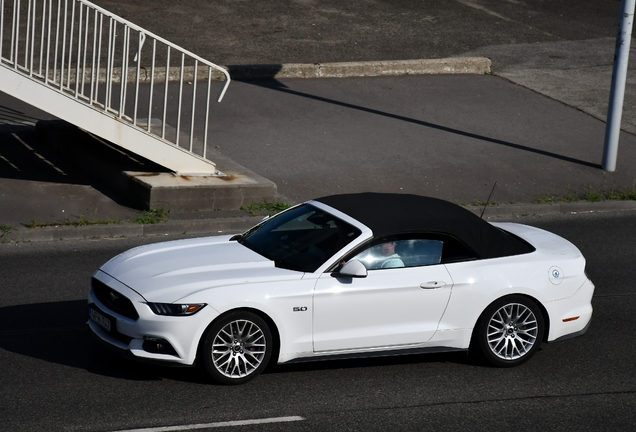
(217, 425)
(497, 15)
(483, 9)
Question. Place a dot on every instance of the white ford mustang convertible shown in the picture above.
(344, 276)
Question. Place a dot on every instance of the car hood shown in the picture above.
(167, 272)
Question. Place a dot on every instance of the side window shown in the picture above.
(456, 251)
(413, 250)
(389, 253)
(421, 252)
(381, 255)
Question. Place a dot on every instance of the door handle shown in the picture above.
(432, 284)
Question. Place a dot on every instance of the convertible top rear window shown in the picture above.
(301, 238)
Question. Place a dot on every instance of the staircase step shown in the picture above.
(142, 184)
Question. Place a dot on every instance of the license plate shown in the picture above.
(104, 321)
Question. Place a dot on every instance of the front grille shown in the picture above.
(114, 300)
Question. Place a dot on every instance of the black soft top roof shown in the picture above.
(389, 214)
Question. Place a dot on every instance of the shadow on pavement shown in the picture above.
(24, 156)
(10, 116)
(274, 84)
(38, 178)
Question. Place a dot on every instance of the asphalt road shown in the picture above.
(51, 380)
(307, 31)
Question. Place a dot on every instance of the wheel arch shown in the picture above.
(544, 314)
(268, 320)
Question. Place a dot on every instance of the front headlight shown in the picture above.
(171, 309)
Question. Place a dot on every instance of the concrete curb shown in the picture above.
(173, 227)
(451, 65)
(218, 226)
(454, 65)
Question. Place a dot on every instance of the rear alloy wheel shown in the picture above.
(237, 348)
(509, 331)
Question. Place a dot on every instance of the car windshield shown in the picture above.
(301, 238)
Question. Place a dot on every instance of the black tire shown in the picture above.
(508, 332)
(236, 348)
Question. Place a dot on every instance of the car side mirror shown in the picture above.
(353, 268)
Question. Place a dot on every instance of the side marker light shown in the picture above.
(571, 319)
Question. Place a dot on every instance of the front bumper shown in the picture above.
(139, 337)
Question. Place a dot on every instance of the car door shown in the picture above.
(389, 308)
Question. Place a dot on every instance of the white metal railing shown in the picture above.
(106, 63)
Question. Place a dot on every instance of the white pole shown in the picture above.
(617, 92)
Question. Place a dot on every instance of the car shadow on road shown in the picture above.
(273, 84)
(56, 332)
(457, 357)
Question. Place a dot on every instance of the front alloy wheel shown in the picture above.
(509, 331)
(237, 348)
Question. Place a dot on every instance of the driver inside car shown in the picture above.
(381, 256)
